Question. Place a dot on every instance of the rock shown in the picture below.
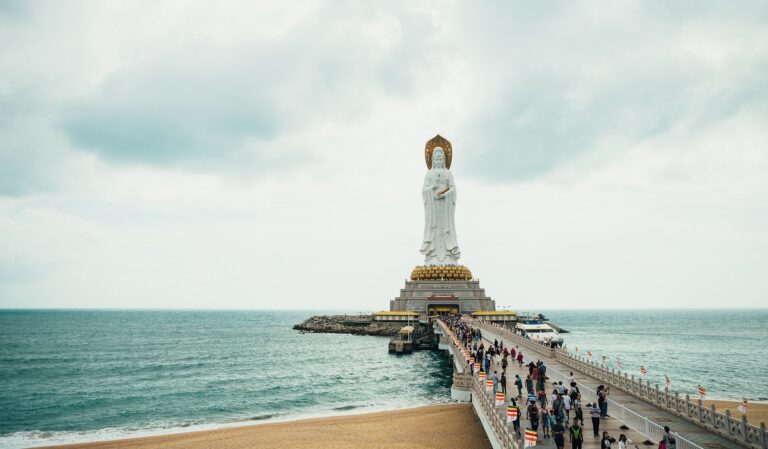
(344, 324)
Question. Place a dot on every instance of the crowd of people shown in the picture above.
(556, 415)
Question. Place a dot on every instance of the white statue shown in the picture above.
(439, 244)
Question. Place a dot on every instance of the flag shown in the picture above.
(702, 392)
(512, 413)
(530, 438)
(643, 371)
(743, 407)
(667, 381)
(499, 398)
(489, 384)
(589, 353)
(602, 358)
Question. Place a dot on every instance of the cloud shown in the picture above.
(192, 97)
(177, 154)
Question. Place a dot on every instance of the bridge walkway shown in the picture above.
(697, 436)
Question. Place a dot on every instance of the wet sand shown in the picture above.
(439, 426)
(757, 412)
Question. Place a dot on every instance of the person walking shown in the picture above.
(516, 422)
(623, 442)
(533, 416)
(576, 434)
(594, 413)
(606, 440)
(668, 439)
(503, 382)
(520, 357)
(504, 364)
(602, 400)
(558, 432)
(545, 422)
(519, 385)
(529, 385)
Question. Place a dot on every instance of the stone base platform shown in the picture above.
(441, 297)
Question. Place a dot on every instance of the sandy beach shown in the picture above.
(440, 426)
(757, 412)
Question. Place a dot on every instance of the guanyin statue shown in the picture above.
(439, 244)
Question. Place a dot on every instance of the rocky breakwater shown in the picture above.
(345, 324)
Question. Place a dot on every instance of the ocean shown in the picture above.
(725, 351)
(73, 376)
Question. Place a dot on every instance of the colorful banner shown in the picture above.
(530, 438)
(702, 392)
(482, 375)
(489, 385)
(499, 398)
(512, 413)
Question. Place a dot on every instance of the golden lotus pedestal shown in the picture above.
(441, 272)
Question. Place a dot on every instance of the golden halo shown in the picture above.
(442, 142)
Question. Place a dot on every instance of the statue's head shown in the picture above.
(438, 158)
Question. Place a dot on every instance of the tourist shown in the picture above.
(576, 434)
(567, 406)
(495, 379)
(606, 440)
(545, 422)
(578, 413)
(623, 441)
(571, 382)
(533, 416)
(559, 407)
(516, 422)
(504, 364)
(560, 387)
(542, 397)
(557, 433)
(668, 439)
(529, 385)
(519, 385)
(594, 413)
(513, 353)
(602, 399)
(503, 382)
(520, 357)
(535, 373)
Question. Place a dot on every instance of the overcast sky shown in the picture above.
(270, 155)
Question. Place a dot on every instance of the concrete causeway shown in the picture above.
(690, 435)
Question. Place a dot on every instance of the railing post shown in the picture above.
(763, 436)
(728, 422)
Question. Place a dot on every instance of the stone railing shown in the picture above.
(737, 430)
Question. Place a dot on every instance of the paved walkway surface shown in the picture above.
(688, 430)
(590, 442)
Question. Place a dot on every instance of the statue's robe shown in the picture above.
(439, 244)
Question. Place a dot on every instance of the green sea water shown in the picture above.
(87, 375)
(71, 376)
